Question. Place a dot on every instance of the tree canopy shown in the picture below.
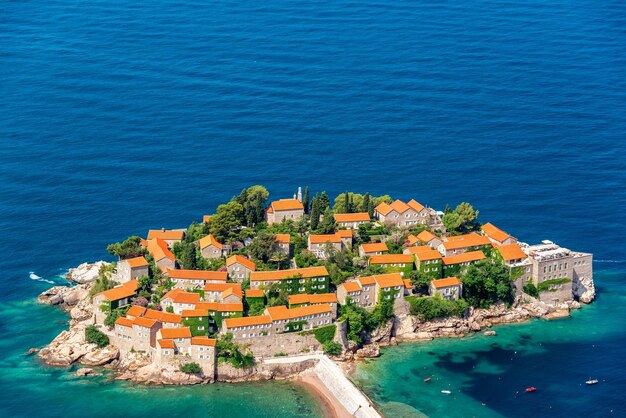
(129, 248)
(486, 283)
(461, 220)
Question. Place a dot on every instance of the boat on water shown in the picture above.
(447, 392)
(428, 379)
(591, 381)
(531, 389)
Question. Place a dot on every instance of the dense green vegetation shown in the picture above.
(332, 348)
(461, 220)
(428, 308)
(129, 248)
(360, 320)
(531, 290)
(94, 336)
(486, 283)
(324, 334)
(238, 355)
(190, 368)
(551, 285)
(104, 281)
(113, 314)
(420, 281)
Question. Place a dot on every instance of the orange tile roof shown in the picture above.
(399, 206)
(426, 236)
(172, 293)
(171, 333)
(316, 298)
(186, 297)
(247, 321)
(463, 258)
(306, 272)
(423, 253)
(374, 247)
(162, 316)
(136, 310)
(220, 307)
(345, 233)
(278, 313)
(352, 217)
(137, 262)
(206, 218)
(241, 260)
(125, 290)
(286, 204)
(464, 241)
(412, 239)
(283, 238)
(391, 259)
(447, 282)
(383, 208)
(144, 322)
(197, 274)
(353, 286)
(494, 232)
(209, 240)
(125, 322)
(166, 234)
(221, 287)
(203, 340)
(232, 291)
(367, 280)
(254, 293)
(159, 250)
(166, 343)
(511, 252)
(407, 284)
(194, 313)
(389, 280)
(321, 239)
(416, 206)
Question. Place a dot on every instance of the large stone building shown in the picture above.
(170, 236)
(402, 214)
(304, 280)
(132, 268)
(352, 220)
(284, 209)
(367, 291)
(449, 288)
(195, 279)
(239, 267)
(210, 247)
(162, 255)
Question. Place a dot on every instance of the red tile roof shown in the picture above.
(144, 322)
(426, 236)
(166, 343)
(125, 290)
(137, 262)
(464, 241)
(247, 321)
(463, 258)
(306, 272)
(286, 204)
(278, 313)
(494, 232)
(159, 250)
(197, 274)
(317, 298)
(209, 240)
(203, 340)
(171, 333)
(375, 247)
(511, 252)
(166, 234)
(186, 297)
(136, 310)
(125, 322)
(391, 259)
(254, 293)
(283, 238)
(447, 282)
(221, 287)
(353, 286)
(321, 239)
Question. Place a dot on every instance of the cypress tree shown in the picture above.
(324, 202)
(370, 209)
(346, 200)
(305, 200)
(315, 213)
(365, 206)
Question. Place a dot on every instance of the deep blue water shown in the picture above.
(116, 117)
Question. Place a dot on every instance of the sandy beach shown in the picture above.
(329, 403)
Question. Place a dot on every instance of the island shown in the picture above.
(300, 288)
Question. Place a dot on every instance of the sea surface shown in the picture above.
(119, 116)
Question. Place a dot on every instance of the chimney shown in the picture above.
(300, 194)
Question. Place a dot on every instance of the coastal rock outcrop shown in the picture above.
(67, 348)
(101, 356)
(85, 273)
(584, 289)
(158, 375)
(368, 351)
(65, 296)
(262, 371)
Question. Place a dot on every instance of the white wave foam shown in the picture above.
(33, 276)
(610, 261)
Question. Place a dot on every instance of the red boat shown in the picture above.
(531, 389)
(428, 379)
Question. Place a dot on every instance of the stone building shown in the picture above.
(132, 268)
(170, 236)
(239, 267)
(352, 220)
(449, 288)
(195, 279)
(284, 209)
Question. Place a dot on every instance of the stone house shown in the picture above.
(496, 235)
(304, 299)
(449, 288)
(427, 260)
(320, 244)
(239, 267)
(203, 352)
(170, 236)
(463, 243)
(145, 331)
(425, 237)
(210, 247)
(223, 292)
(180, 336)
(367, 291)
(195, 279)
(517, 261)
(248, 328)
(283, 243)
(117, 297)
(168, 320)
(304, 280)
(180, 300)
(402, 214)
(299, 319)
(376, 248)
(352, 220)
(132, 268)
(162, 255)
(284, 209)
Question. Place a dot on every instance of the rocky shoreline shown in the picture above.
(69, 348)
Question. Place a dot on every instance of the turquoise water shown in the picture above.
(557, 357)
(117, 117)
(56, 392)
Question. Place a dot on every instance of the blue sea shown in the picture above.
(116, 117)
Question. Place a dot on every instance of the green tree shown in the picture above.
(332, 348)
(324, 202)
(419, 280)
(94, 336)
(238, 355)
(252, 201)
(226, 221)
(190, 368)
(189, 256)
(346, 202)
(315, 213)
(263, 246)
(129, 248)
(486, 283)
(461, 220)
(428, 308)
(104, 281)
(365, 204)
(327, 225)
(305, 200)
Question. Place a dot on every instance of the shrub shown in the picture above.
(94, 336)
(436, 307)
(281, 354)
(324, 334)
(191, 368)
(531, 289)
(333, 348)
(546, 286)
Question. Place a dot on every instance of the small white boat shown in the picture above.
(446, 392)
(591, 381)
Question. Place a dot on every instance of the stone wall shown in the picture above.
(289, 343)
(261, 371)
